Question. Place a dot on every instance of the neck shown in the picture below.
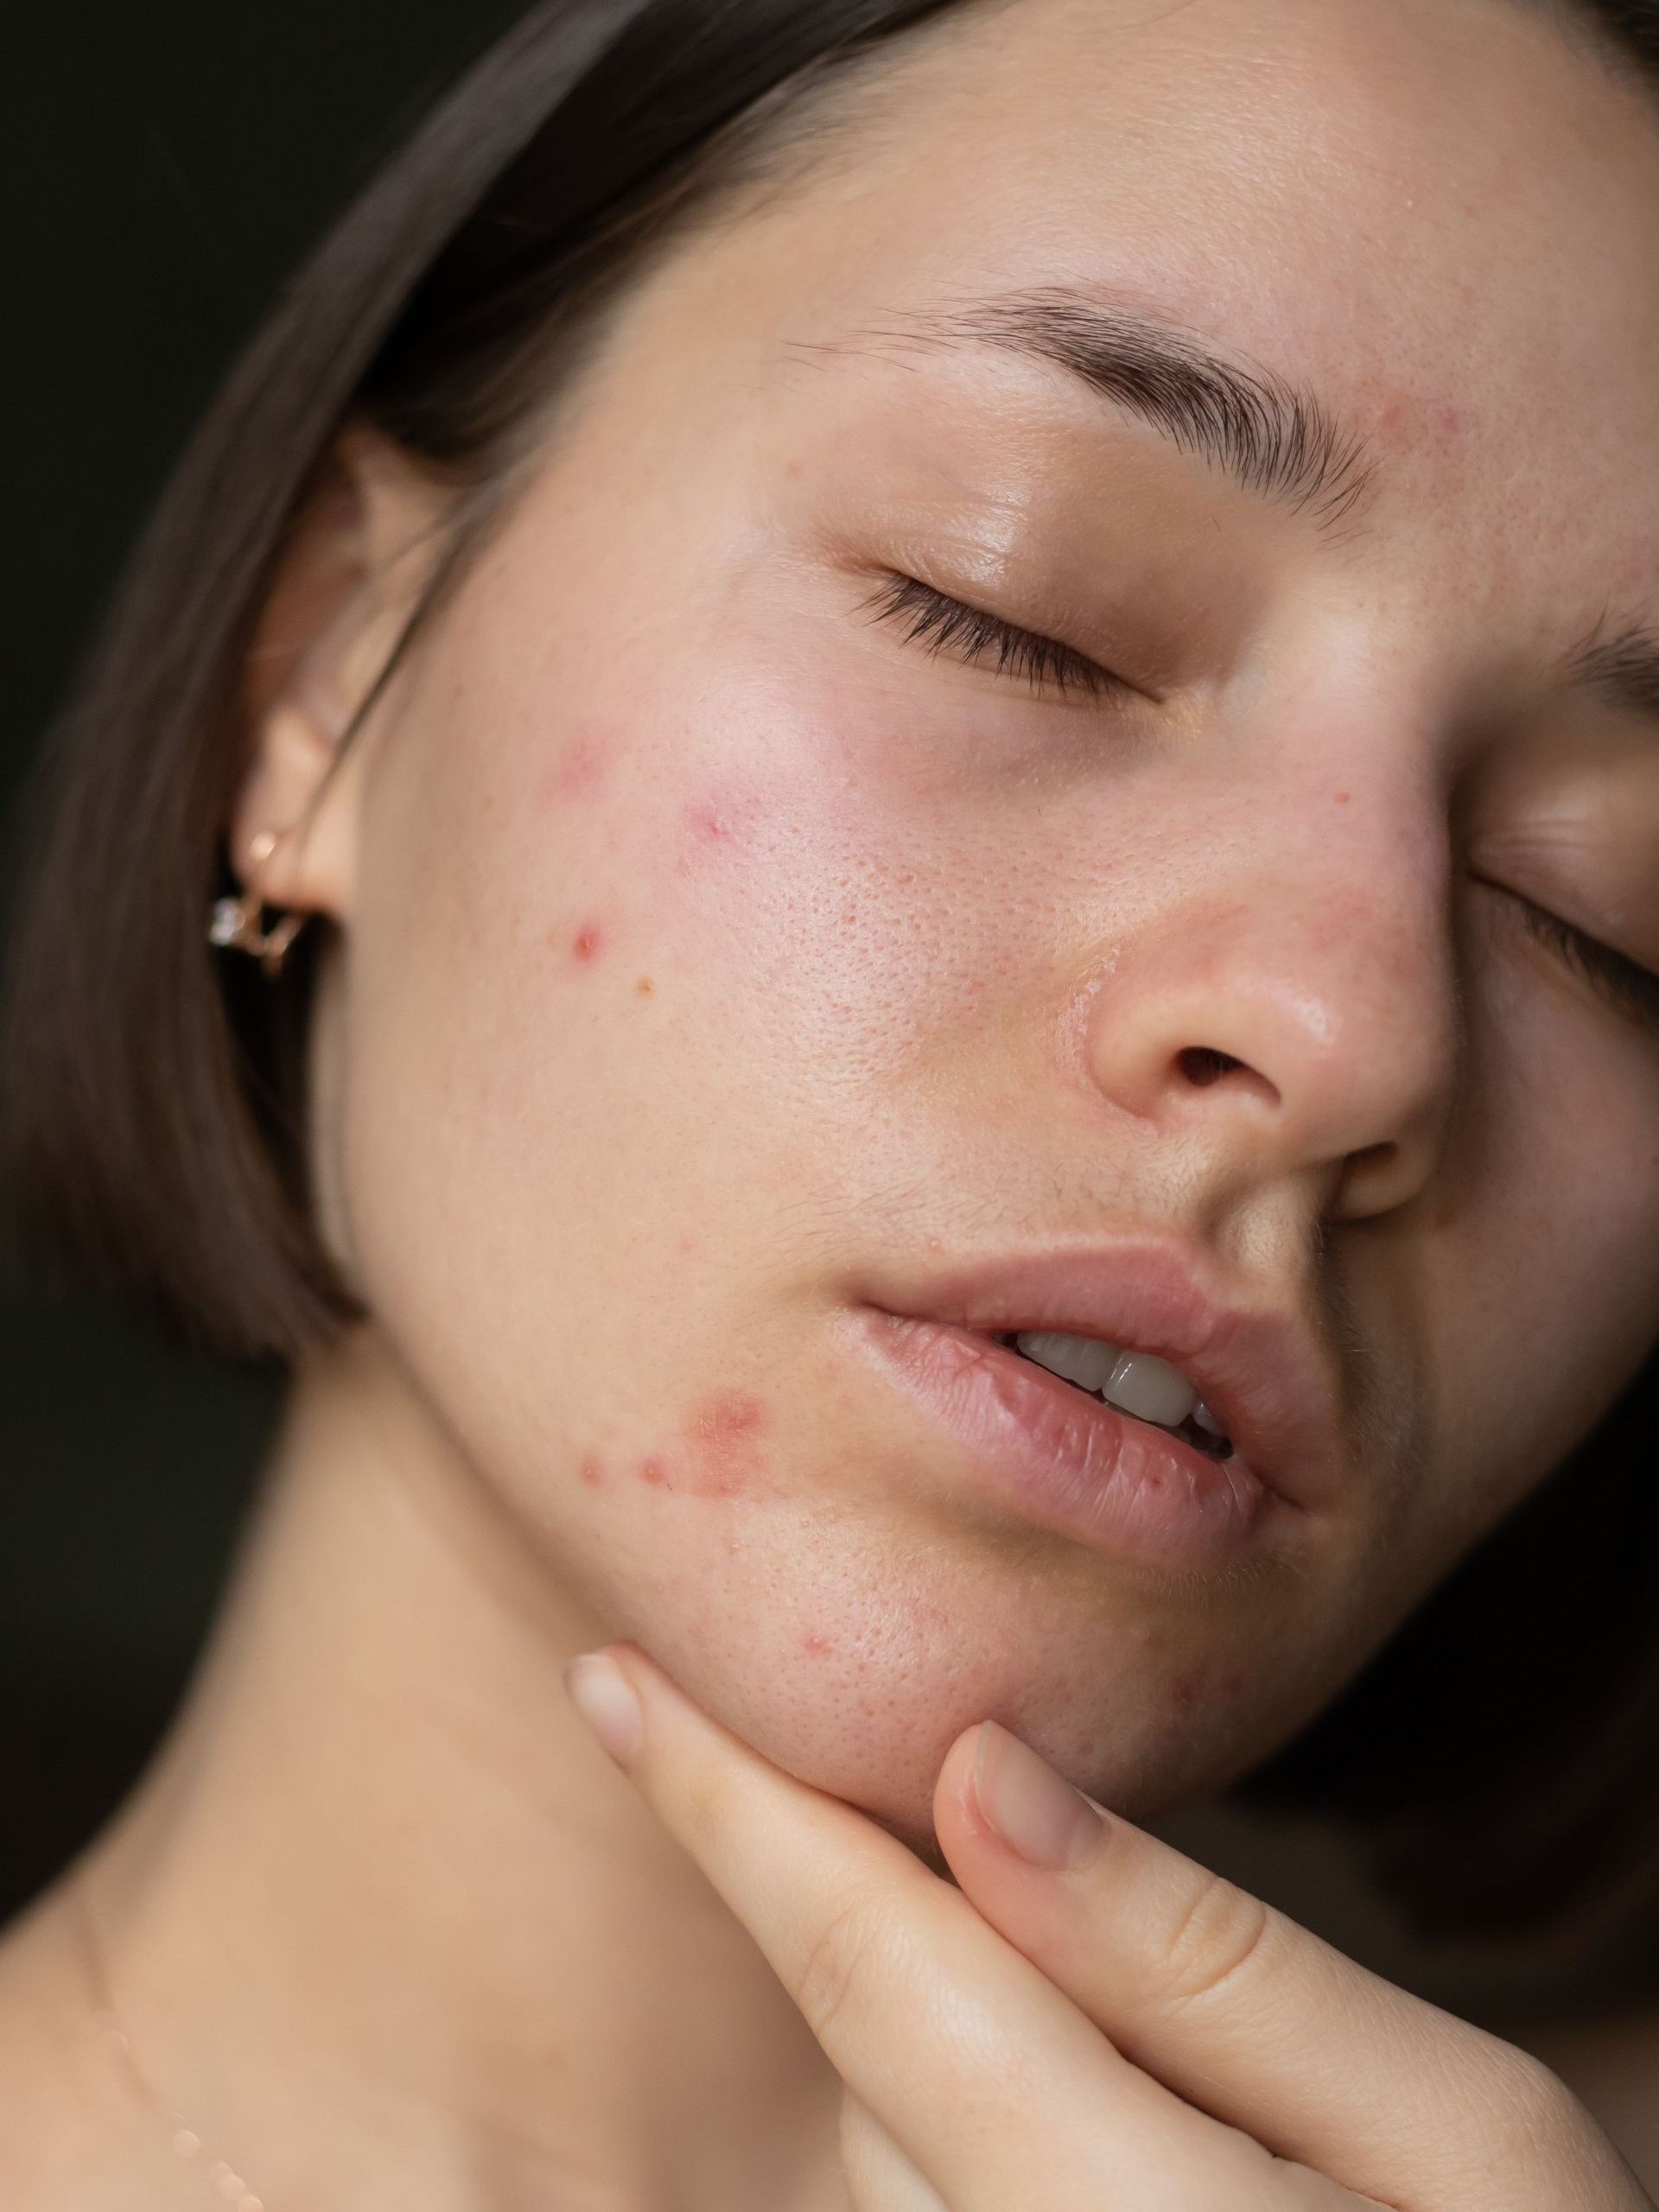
(384, 1922)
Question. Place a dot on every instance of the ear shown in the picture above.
(351, 574)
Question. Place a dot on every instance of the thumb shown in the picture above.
(1252, 2019)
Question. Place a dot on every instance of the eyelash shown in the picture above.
(1624, 983)
(942, 624)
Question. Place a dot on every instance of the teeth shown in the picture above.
(1205, 1419)
(1149, 1389)
(1081, 1360)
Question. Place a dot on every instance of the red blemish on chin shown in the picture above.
(588, 941)
(592, 1471)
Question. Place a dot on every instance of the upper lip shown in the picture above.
(1258, 1367)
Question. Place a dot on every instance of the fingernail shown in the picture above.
(1026, 1802)
(608, 1702)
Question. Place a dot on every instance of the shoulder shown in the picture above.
(69, 2142)
(1611, 2063)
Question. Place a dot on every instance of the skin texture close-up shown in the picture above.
(1051, 732)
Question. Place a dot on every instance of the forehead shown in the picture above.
(1435, 213)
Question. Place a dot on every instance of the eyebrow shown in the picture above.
(1272, 437)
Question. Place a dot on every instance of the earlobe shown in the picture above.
(349, 580)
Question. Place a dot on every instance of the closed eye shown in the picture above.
(940, 624)
(1627, 985)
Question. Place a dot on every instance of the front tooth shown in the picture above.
(1151, 1389)
(1081, 1360)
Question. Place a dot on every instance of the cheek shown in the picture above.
(660, 1026)
(1538, 1273)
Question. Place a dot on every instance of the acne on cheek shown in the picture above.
(717, 1454)
(714, 826)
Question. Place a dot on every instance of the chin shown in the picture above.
(855, 1663)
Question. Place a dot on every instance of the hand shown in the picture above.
(1092, 2020)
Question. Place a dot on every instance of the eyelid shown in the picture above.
(941, 623)
(1624, 983)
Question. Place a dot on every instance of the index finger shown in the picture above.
(992, 2082)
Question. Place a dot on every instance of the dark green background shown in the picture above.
(165, 161)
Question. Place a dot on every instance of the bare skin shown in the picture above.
(709, 948)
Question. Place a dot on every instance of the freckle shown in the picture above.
(643, 988)
(592, 1472)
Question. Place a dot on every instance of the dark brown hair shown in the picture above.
(1500, 1754)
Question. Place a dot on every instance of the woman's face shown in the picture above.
(744, 946)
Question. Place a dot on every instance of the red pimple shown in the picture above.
(722, 1435)
(813, 1642)
(591, 1470)
(731, 1414)
(588, 941)
(652, 1471)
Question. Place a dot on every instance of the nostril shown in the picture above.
(1202, 1065)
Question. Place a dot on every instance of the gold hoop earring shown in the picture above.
(234, 924)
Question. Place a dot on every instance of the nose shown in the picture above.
(1294, 1015)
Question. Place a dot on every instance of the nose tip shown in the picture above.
(1281, 1053)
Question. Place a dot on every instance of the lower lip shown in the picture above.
(1067, 1461)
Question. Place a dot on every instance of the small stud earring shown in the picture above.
(235, 922)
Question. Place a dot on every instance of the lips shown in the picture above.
(1257, 1367)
